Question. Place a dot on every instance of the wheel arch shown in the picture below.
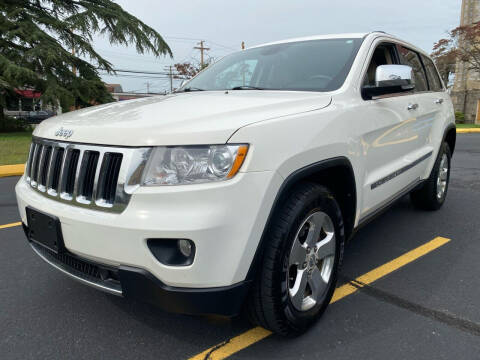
(337, 175)
(450, 136)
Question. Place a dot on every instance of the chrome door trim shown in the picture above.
(399, 171)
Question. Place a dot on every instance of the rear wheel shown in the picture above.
(300, 263)
(433, 193)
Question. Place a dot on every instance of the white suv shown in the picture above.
(242, 187)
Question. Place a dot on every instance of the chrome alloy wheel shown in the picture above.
(442, 177)
(311, 261)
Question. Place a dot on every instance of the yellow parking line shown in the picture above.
(10, 225)
(240, 342)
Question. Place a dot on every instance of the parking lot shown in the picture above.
(421, 301)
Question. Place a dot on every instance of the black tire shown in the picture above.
(426, 197)
(269, 304)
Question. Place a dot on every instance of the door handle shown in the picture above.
(439, 101)
(412, 106)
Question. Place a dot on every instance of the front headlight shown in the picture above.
(193, 164)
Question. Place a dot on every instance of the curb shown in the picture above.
(12, 170)
(468, 131)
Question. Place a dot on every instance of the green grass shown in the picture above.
(14, 147)
(467, 126)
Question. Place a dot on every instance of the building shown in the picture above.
(114, 88)
(466, 88)
(22, 102)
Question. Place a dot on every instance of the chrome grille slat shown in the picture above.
(97, 176)
(40, 166)
(35, 161)
(29, 161)
(75, 173)
(56, 171)
(51, 167)
(44, 166)
(62, 171)
(48, 176)
(86, 179)
(69, 174)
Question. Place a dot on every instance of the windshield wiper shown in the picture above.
(189, 89)
(246, 87)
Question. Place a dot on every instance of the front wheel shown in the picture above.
(300, 263)
(433, 193)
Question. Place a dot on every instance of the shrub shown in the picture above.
(10, 124)
(459, 117)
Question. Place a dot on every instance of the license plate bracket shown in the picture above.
(45, 230)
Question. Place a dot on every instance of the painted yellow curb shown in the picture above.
(468, 131)
(12, 170)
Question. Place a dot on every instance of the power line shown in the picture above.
(138, 71)
(224, 46)
(143, 77)
(197, 39)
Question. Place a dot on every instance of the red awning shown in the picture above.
(29, 94)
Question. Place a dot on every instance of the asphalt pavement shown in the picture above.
(426, 309)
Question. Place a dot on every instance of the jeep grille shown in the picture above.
(99, 177)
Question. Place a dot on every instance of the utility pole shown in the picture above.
(170, 75)
(148, 87)
(202, 49)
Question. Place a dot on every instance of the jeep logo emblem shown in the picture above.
(65, 133)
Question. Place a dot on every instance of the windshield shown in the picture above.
(315, 65)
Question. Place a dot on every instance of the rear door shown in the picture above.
(438, 102)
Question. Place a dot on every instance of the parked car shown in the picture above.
(241, 188)
(35, 117)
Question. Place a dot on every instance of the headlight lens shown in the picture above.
(193, 164)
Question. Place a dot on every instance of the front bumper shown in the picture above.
(139, 284)
(225, 220)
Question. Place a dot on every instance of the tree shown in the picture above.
(189, 69)
(463, 44)
(445, 60)
(186, 70)
(42, 41)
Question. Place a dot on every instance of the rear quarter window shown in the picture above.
(432, 74)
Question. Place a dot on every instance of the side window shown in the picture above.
(432, 74)
(411, 58)
(384, 54)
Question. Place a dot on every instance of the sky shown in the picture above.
(224, 24)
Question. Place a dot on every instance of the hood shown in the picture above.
(209, 117)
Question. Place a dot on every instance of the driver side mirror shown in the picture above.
(390, 79)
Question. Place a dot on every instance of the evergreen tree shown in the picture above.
(37, 38)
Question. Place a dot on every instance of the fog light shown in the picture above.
(173, 252)
(185, 247)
